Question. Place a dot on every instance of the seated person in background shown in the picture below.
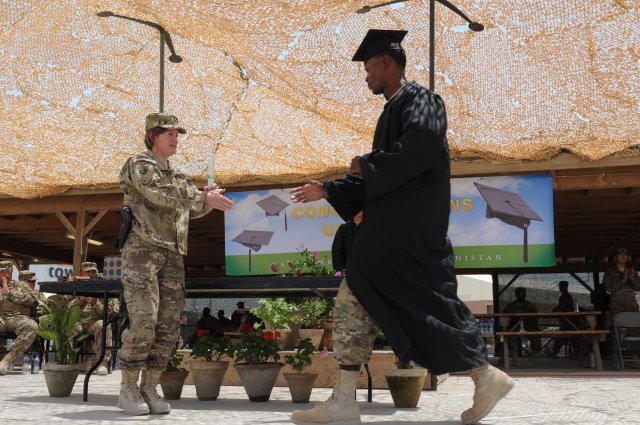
(16, 299)
(91, 321)
(343, 241)
(521, 305)
(209, 323)
(236, 316)
(224, 322)
(565, 303)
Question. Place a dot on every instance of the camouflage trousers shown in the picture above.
(23, 326)
(153, 281)
(354, 330)
(93, 327)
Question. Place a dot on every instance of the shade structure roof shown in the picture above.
(269, 86)
(253, 239)
(272, 205)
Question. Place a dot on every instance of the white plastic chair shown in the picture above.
(623, 326)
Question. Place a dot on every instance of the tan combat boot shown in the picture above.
(4, 364)
(341, 408)
(130, 400)
(150, 380)
(491, 385)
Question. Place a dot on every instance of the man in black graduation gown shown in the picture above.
(401, 273)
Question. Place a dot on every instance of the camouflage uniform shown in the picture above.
(91, 323)
(623, 293)
(15, 311)
(162, 202)
(354, 330)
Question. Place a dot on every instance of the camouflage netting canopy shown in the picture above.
(269, 86)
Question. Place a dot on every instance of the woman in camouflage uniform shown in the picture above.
(162, 202)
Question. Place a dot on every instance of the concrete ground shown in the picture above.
(535, 400)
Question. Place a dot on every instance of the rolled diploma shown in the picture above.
(211, 173)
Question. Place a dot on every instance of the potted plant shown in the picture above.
(312, 314)
(206, 367)
(300, 384)
(405, 384)
(278, 314)
(61, 326)
(172, 379)
(257, 374)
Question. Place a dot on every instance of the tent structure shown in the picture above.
(269, 87)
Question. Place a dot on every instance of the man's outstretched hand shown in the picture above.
(312, 191)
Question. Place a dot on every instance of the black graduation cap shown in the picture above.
(510, 208)
(377, 41)
(273, 206)
(254, 240)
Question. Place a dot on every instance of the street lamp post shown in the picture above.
(473, 26)
(165, 37)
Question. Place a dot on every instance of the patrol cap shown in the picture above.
(26, 275)
(160, 119)
(378, 41)
(5, 265)
(88, 266)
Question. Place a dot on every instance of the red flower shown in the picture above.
(278, 334)
(202, 332)
(274, 267)
(245, 328)
(267, 335)
(290, 264)
(251, 329)
(315, 253)
(299, 272)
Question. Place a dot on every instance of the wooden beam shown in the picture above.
(596, 181)
(93, 222)
(51, 204)
(66, 222)
(35, 250)
(78, 251)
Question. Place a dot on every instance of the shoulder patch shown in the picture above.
(143, 168)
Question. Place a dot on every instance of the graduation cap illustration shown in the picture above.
(509, 208)
(273, 206)
(254, 240)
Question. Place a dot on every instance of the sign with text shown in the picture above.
(495, 222)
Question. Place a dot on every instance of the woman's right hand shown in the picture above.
(216, 199)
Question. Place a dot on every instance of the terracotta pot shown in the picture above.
(172, 383)
(60, 378)
(327, 338)
(314, 334)
(405, 385)
(207, 377)
(300, 385)
(258, 379)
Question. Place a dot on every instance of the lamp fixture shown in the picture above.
(89, 241)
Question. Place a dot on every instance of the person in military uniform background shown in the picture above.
(522, 305)
(91, 322)
(162, 202)
(16, 300)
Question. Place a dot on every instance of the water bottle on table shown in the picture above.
(36, 364)
(26, 364)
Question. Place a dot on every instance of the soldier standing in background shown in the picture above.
(621, 282)
(91, 321)
(158, 204)
(16, 299)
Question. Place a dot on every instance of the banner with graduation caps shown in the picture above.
(265, 227)
(502, 222)
(496, 222)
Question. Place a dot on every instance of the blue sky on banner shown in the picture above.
(471, 228)
(300, 229)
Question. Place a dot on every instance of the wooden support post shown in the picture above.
(78, 247)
